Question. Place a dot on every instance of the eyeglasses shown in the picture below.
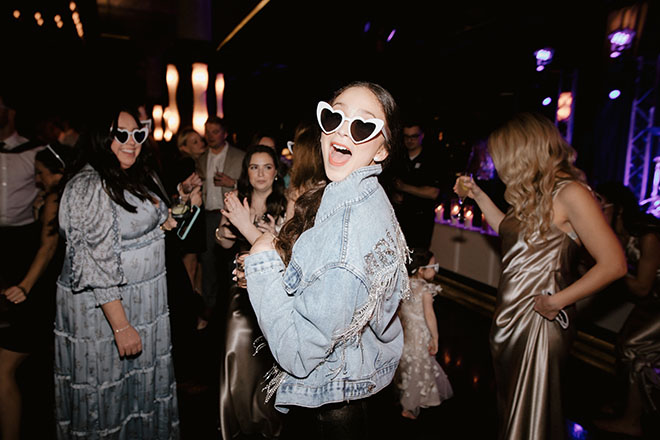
(360, 130)
(139, 135)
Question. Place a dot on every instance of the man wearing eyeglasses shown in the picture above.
(415, 188)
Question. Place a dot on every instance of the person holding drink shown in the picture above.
(327, 289)
(552, 213)
(114, 371)
(219, 167)
(259, 205)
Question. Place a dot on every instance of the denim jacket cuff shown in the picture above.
(267, 261)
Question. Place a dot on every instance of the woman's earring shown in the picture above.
(276, 178)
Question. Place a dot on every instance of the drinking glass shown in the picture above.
(462, 193)
(179, 208)
(239, 269)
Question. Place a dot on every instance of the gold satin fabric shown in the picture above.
(638, 344)
(528, 350)
(243, 410)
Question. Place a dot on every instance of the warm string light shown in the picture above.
(564, 106)
(75, 16)
(157, 114)
(171, 114)
(39, 18)
(17, 14)
(219, 94)
(200, 81)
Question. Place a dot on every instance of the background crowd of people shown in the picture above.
(123, 248)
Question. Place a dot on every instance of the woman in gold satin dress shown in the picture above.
(552, 213)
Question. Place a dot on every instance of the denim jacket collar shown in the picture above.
(355, 187)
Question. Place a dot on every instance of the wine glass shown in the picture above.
(462, 192)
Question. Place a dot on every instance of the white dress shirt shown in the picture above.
(216, 162)
(18, 188)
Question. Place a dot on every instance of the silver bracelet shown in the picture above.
(122, 329)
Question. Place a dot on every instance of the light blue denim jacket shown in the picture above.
(330, 316)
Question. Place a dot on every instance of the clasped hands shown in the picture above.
(238, 213)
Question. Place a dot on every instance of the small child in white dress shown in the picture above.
(421, 381)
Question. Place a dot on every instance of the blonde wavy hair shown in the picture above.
(531, 157)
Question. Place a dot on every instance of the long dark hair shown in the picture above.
(418, 257)
(635, 221)
(95, 150)
(275, 202)
(308, 204)
(56, 158)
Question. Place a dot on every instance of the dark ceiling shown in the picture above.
(456, 61)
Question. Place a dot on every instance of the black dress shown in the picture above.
(29, 325)
(175, 168)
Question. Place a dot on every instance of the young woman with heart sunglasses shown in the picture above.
(327, 305)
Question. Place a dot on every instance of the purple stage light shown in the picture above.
(576, 431)
(622, 37)
(543, 54)
(620, 40)
(389, 38)
(547, 101)
(543, 58)
(367, 26)
(615, 94)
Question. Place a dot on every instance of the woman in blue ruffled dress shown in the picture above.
(114, 377)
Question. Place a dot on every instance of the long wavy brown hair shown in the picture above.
(308, 203)
(531, 157)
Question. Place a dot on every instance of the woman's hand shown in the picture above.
(546, 306)
(466, 187)
(170, 223)
(196, 196)
(128, 341)
(15, 294)
(266, 226)
(236, 212)
(224, 233)
(264, 243)
(190, 184)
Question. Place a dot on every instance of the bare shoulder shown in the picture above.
(574, 191)
(573, 202)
